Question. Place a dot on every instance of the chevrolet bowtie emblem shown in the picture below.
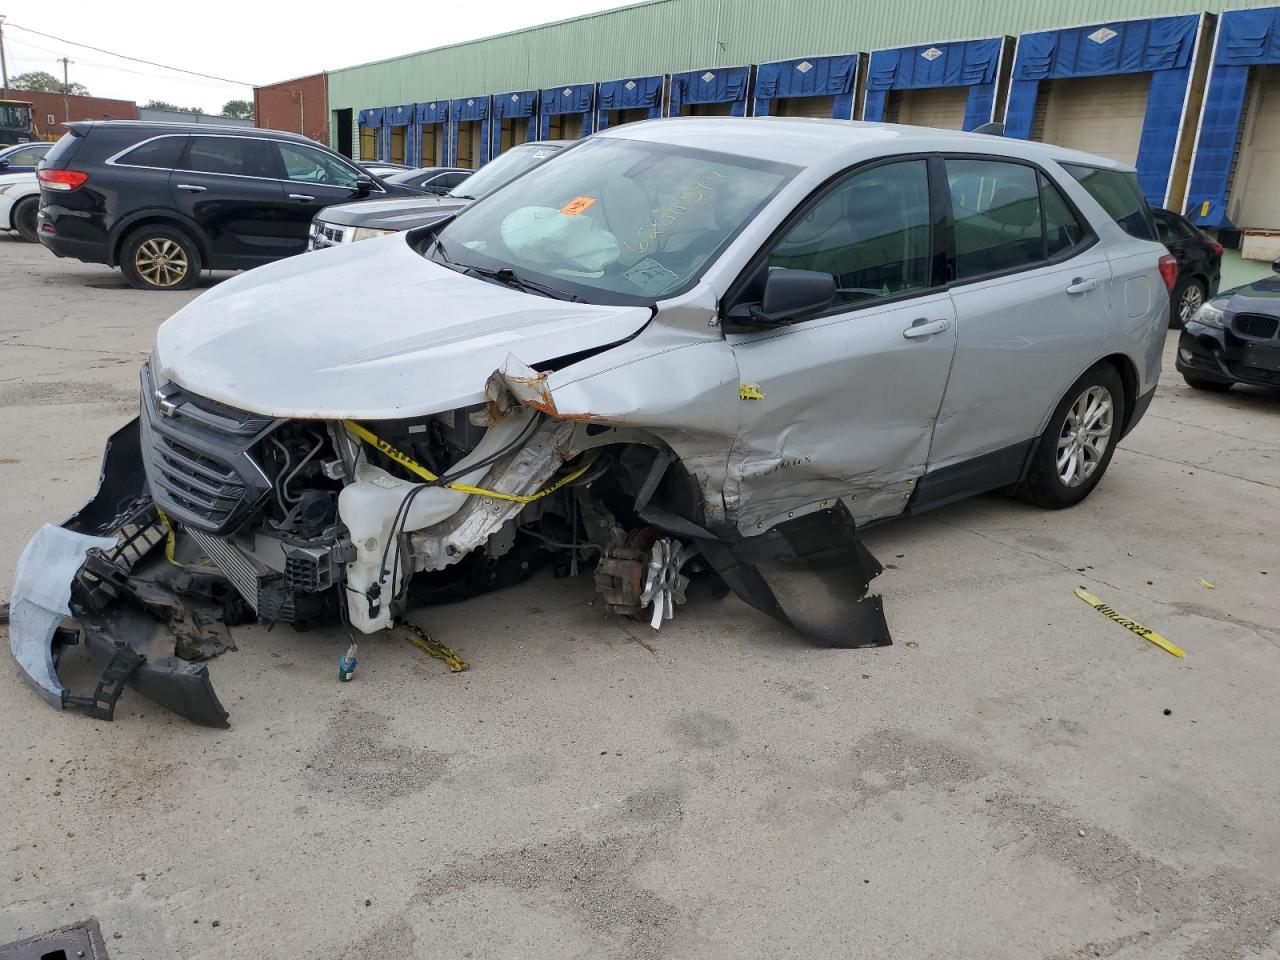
(166, 406)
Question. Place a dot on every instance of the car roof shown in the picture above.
(83, 126)
(817, 143)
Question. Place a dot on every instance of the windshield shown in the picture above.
(11, 116)
(506, 167)
(631, 219)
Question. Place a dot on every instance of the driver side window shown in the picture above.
(870, 232)
(307, 165)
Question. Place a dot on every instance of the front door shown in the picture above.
(227, 185)
(313, 179)
(843, 404)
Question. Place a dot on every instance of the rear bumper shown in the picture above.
(1215, 354)
(73, 233)
(88, 251)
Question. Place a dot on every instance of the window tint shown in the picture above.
(870, 232)
(240, 156)
(1062, 230)
(161, 152)
(996, 210)
(1118, 194)
(1167, 228)
(308, 165)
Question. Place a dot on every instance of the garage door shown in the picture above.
(1255, 199)
(804, 107)
(941, 107)
(1102, 115)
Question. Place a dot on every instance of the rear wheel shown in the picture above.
(24, 218)
(1076, 447)
(1200, 383)
(159, 257)
(1188, 297)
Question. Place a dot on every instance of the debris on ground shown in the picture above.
(1131, 625)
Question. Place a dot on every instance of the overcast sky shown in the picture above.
(249, 42)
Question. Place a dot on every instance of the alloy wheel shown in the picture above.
(1192, 298)
(1086, 433)
(161, 262)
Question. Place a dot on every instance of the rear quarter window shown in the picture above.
(1118, 193)
(62, 151)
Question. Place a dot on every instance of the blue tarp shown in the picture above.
(808, 77)
(717, 85)
(965, 63)
(574, 99)
(371, 117)
(513, 106)
(633, 93)
(425, 115)
(401, 116)
(465, 110)
(1161, 46)
(1246, 38)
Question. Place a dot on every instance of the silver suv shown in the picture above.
(687, 346)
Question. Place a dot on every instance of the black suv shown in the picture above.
(164, 201)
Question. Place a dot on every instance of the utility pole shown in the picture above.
(4, 66)
(66, 92)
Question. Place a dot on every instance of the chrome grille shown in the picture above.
(201, 484)
(1255, 325)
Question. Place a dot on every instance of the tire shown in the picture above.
(1187, 297)
(1200, 383)
(160, 257)
(1085, 456)
(24, 218)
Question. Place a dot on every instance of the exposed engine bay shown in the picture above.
(210, 517)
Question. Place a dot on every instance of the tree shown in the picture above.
(239, 109)
(166, 105)
(41, 81)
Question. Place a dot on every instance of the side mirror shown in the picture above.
(1275, 266)
(3, 163)
(789, 295)
(364, 184)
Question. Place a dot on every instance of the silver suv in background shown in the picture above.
(693, 347)
(348, 222)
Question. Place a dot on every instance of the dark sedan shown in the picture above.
(1234, 338)
(433, 180)
(1199, 265)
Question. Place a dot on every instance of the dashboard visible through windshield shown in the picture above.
(612, 220)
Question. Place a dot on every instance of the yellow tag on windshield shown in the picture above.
(577, 205)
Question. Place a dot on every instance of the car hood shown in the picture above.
(400, 214)
(1261, 296)
(369, 331)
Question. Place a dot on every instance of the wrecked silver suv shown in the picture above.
(681, 347)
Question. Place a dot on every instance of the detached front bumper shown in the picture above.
(1213, 353)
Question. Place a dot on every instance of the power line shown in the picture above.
(112, 53)
(28, 58)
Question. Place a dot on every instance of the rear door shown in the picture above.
(843, 404)
(312, 180)
(227, 186)
(1030, 285)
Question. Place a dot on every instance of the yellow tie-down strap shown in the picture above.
(414, 466)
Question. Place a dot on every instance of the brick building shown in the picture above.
(298, 106)
(51, 110)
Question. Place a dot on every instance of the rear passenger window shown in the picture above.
(1006, 216)
(161, 152)
(238, 156)
(1117, 193)
(1167, 230)
(870, 232)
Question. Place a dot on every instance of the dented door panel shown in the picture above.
(846, 409)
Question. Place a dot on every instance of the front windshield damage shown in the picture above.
(630, 220)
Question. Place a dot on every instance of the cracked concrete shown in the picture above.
(1003, 782)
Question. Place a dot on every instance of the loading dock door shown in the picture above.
(398, 137)
(820, 107)
(708, 110)
(470, 140)
(628, 100)
(368, 143)
(939, 107)
(432, 146)
(1102, 115)
(1255, 196)
(563, 126)
(719, 92)
(614, 118)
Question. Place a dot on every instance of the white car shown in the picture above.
(19, 203)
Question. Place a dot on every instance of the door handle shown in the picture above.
(1081, 285)
(925, 327)
(301, 196)
(192, 187)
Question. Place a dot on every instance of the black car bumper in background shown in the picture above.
(1212, 353)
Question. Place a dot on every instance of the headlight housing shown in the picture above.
(1209, 315)
(368, 233)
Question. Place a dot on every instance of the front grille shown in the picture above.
(1255, 325)
(263, 589)
(198, 459)
(323, 235)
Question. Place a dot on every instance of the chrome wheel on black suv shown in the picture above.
(156, 257)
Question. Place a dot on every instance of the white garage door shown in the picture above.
(1255, 197)
(941, 107)
(1100, 115)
